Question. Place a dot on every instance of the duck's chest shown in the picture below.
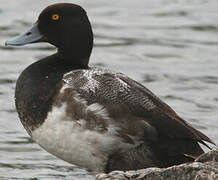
(34, 95)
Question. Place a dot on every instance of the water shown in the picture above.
(171, 46)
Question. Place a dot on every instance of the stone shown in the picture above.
(204, 167)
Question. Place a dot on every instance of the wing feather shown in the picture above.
(109, 88)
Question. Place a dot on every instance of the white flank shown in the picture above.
(66, 140)
(99, 110)
(70, 141)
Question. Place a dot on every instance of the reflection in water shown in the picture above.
(169, 46)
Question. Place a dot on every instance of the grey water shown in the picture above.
(170, 46)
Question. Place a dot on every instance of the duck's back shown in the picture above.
(159, 136)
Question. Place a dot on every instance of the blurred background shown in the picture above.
(170, 46)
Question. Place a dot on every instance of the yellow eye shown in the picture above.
(55, 17)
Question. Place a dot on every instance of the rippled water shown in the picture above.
(171, 46)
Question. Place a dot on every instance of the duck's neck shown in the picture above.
(73, 59)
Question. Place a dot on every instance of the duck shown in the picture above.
(92, 117)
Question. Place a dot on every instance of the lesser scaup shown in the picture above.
(95, 118)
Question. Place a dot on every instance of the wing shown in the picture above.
(135, 109)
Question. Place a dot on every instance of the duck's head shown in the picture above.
(64, 25)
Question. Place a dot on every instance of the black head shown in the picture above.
(64, 25)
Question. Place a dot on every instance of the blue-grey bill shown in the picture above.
(31, 36)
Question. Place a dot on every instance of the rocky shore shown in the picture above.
(204, 168)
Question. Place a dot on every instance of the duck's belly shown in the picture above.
(68, 141)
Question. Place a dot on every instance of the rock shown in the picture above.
(205, 167)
